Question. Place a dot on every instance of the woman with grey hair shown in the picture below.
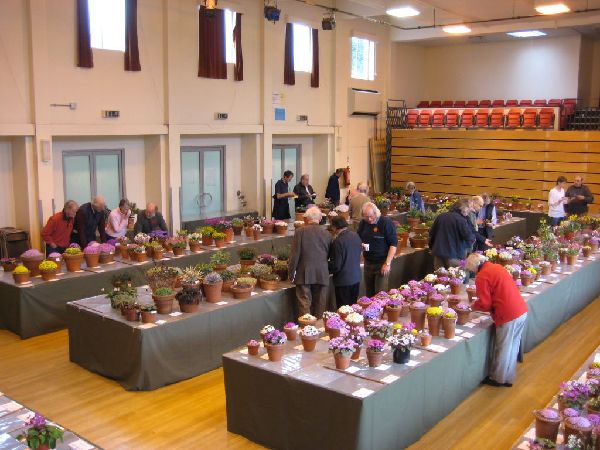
(414, 197)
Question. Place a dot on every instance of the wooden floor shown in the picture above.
(191, 414)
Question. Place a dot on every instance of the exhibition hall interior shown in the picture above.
(300, 224)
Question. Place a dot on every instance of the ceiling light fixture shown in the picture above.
(526, 34)
(405, 11)
(555, 8)
(456, 29)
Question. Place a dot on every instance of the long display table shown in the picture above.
(359, 412)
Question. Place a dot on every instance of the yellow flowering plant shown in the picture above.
(20, 269)
(435, 311)
(48, 265)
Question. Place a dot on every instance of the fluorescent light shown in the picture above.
(405, 11)
(555, 8)
(526, 34)
(457, 29)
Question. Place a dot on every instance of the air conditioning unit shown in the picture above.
(364, 102)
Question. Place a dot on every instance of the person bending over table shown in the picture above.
(308, 267)
(344, 262)
(481, 241)
(498, 294)
(414, 197)
(150, 220)
(90, 217)
(305, 193)
(57, 231)
(358, 200)
(379, 238)
(451, 235)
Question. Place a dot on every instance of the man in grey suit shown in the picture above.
(308, 267)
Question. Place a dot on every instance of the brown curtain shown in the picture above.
(132, 52)
(289, 76)
(238, 69)
(85, 57)
(211, 44)
(314, 76)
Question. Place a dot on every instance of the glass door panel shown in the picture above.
(190, 185)
(107, 169)
(77, 178)
(212, 182)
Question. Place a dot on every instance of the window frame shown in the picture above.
(371, 73)
(104, 28)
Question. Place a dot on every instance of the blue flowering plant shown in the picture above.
(40, 433)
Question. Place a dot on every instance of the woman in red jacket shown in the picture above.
(498, 294)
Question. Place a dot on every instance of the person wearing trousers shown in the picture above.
(498, 294)
(344, 262)
(308, 266)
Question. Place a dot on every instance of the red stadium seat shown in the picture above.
(452, 118)
(570, 101)
(466, 120)
(412, 118)
(512, 102)
(485, 103)
(497, 118)
(539, 103)
(473, 104)
(425, 118)
(459, 104)
(482, 118)
(555, 102)
(529, 118)
(435, 104)
(423, 104)
(498, 104)
(513, 118)
(447, 104)
(525, 103)
(546, 118)
(438, 118)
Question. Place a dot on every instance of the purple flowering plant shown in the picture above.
(275, 337)
(290, 326)
(31, 253)
(372, 313)
(574, 393)
(376, 345)
(380, 329)
(158, 234)
(91, 250)
(335, 323)
(40, 432)
(342, 345)
(106, 248)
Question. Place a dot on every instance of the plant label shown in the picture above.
(362, 393)
(383, 367)
(352, 369)
(412, 363)
(389, 379)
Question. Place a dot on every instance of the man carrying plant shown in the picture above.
(498, 294)
(57, 231)
(580, 196)
(151, 220)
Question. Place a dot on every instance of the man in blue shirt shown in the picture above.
(416, 201)
(379, 238)
(333, 187)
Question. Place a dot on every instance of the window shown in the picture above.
(90, 173)
(302, 48)
(229, 26)
(202, 182)
(363, 59)
(107, 24)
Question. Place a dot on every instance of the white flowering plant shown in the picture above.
(309, 331)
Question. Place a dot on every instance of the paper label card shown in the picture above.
(80, 445)
(412, 363)
(414, 352)
(352, 369)
(383, 367)
(175, 314)
(469, 325)
(389, 379)
(160, 322)
(437, 348)
(467, 335)
(362, 393)
(221, 303)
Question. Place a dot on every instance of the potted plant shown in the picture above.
(130, 311)
(57, 258)
(264, 331)
(242, 288)
(572, 253)
(163, 298)
(434, 318)
(92, 255)
(195, 242)
(526, 277)
(178, 245)
(403, 232)
(269, 281)
(8, 264)
(247, 256)
(124, 300)
(413, 217)
(300, 211)
(219, 239)
(256, 231)
(212, 284)
(342, 349)
(579, 427)
(207, 233)
(379, 329)
(281, 227)
(281, 269)
(375, 352)
(225, 227)
(402, 342)
(73, 257)
(435, 299)
(21, 274)
(32, 259)
(267, 226)
(307, 319)
(593, 406)
(309, 336)
(546, 423)
(417, 314)
(48, 269)
(298, 224)
(275, 341)
(463, 313)
(425, 338)
(139, 253)
(148, 313)
(121, 245)
(220, 260)
(237, 225)
(228, 280)
(334, 326)
(189, 298)
(157, 252)
(383, 203)
(449, 323)
(419, 240)
(455, 285)
(40, 435)
(573, 394)
(161, 275)
(291, 331)
(343, 211)
(253, 347)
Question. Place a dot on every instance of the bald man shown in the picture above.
(90, 218)
(150, 220)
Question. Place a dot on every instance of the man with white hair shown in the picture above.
(358, 200)
(498, 294)
(308, 266)
(90, 217)
(379, 238)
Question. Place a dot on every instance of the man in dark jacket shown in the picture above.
(344, 262)
(89, 218)
(150, 220)
(305, 194)
(451, 236)
(333, 187)
(281, 207)
(580, 196)
(308, 265)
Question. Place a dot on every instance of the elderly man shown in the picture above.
(486, 218)
(57, 231)
(414, 197)
(333, 187)
(308, 264)
(498, 294)
(150, 220)
(580, 196)
(117, 220)
(305, 194)
(90, 217)
(344, 262)
(379, 238)
(481, 241)
(358, 200)
(451, 235)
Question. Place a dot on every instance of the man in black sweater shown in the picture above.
(580, 196)
(451, 236)
(379, 238)
(333, 187)
(344, 262)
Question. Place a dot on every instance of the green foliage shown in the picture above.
(220, 257)
(227, 275)
(206, 231)
(283, 253)
(205, 268)
(164, 291)
(237, 222)
(218, 235)
(414, 213)
(247, 253)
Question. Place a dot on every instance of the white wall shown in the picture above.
(7, 205)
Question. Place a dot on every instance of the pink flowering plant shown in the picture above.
(275, 337)
(380, 329)
(335, 323)
(91, 250)
(342, 345)
(574, 393)
(376, 345)
(40, 432)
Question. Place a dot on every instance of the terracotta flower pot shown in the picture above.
(374, 358)
(546, 270)
(253, 350)
(178, 251)
(413, 221)
(212, 292)
(48, 275)
(73, 262)
(227, 286)
(418, 243)
(304, 323)
(405, 311)
(207, 241)
(131, 314)
(584, 434)
(291, 333)
(123, 251)
(139, 257)
(158, 255)
(195, 246)
(526, 281)
(275, 352)
(455, 289)
(249, 231)
(571, 260)
(106, 258)
(299, 216)
(433, 323)
(21, 278)
(402, 240)
(425, 340)
(309, 342)
(188, 307)
(449, 326)
(435, 301)
(237, 230)
(219, 243)
(546, 428)
(281, 231)
(356, 355)
(241, 293)
(92, 259)
(333, 332)
(341, 362)
(267, 229)
(33, 264)
(247, 262)
(9, 267)
(164, 303)
(220, 267)
(417, 316)
(228, 234)
(393, 314)
(148, 317)
(594, 246)
(463, 316)
(569, 235)
(149, 251)
(453, 301)
(256, 235)
(268, 285)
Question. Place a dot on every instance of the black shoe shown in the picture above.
(507, 385)
(491, 382)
